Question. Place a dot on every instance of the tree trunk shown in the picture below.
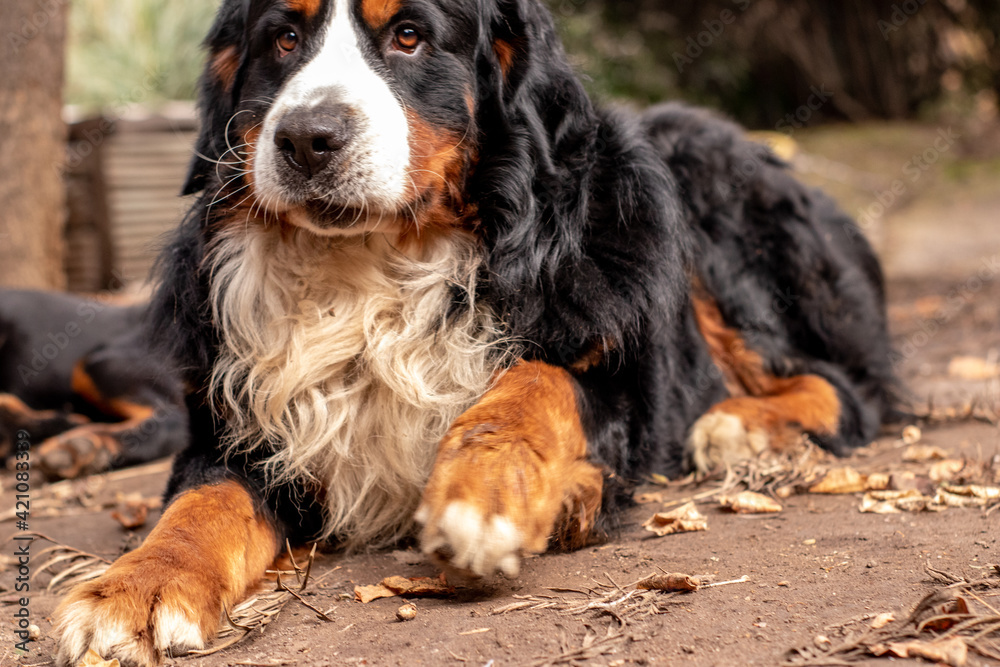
(32, 143)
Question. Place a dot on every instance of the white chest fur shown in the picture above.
(340, 360)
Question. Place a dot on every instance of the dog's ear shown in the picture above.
(524, 56)
(530, 177)
(218, 91)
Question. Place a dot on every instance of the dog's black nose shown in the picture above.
(309, 139)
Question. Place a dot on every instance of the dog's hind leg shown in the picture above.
(145, 397)
(16, 416)
(764, 412)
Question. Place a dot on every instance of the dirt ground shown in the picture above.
(818, 568)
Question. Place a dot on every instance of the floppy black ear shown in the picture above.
(578, 215)
(530, 178)
(541, 124)
(218, 91)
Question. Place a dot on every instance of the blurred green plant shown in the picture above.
(122, 52)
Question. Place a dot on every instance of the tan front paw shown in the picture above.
(720, 439)
(495, 497)
(469, 539)
(137, 613)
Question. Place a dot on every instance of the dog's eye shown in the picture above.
(407, 39)
(286, 42)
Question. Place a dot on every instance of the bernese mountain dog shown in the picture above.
(430, 289)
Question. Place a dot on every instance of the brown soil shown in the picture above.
(811, 569)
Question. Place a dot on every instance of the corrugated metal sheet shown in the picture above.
(144, 169)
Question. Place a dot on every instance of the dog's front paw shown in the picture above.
(136, 612)
(488, 503)
(468, 539)
(167, 597)
(510, 473)
(496, 496)
(720, 438)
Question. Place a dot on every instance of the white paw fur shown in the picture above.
(91, 624)
(720, 438)
(473, 542)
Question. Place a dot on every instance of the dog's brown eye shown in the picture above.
(286, 42)
(407, 39)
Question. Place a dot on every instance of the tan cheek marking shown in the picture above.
(438, 160)
(377, 13)
(224, 66)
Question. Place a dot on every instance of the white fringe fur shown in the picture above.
(338, 358)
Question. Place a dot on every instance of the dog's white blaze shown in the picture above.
(376, 159)
(339, 359)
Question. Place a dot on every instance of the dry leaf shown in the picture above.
(365, 594)
(133, 509)
(921, 453)
(749, 502)
(131, 517)
(878, 481)
(892, 502)
(911, 434)
(669, 582)
(882, 620)
(840, 480)
(972, 368)
(644, 498)
(948, 615)
(395, 585)
(684, 519)
(903, 481)
(92, 659)
(870, 505)
(942, 471)
(952, 651)
(985, 493)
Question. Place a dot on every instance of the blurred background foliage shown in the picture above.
(121, 52)
(757, 60)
